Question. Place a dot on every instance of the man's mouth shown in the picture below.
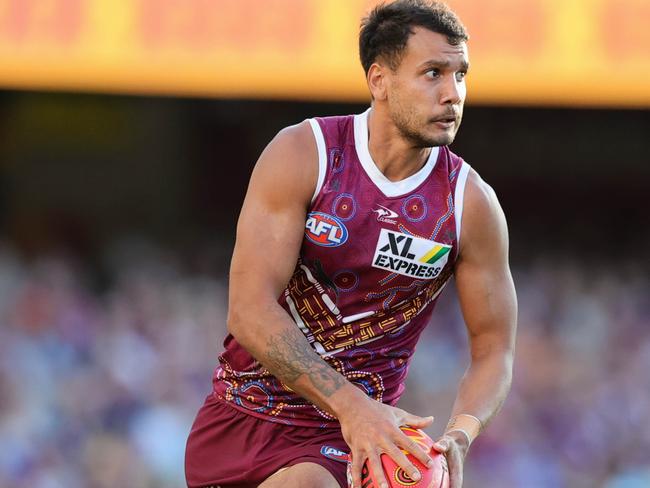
(446, 121)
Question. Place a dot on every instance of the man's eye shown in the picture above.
(433, 73)
(460, 76)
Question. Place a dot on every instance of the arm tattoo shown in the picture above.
(289, 356)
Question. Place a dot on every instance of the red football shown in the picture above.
(435, 477)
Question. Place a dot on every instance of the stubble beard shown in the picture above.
(412, 131)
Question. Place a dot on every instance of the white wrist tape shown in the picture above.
(469, 425)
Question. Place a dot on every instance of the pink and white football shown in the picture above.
(435, 477)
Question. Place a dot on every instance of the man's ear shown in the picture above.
(378, 81)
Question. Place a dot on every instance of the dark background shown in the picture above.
(117, 218)
(78, 169)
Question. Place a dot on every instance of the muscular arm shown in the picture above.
(488, 302)
(269, 235)
(489, 305)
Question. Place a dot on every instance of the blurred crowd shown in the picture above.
(100, 379)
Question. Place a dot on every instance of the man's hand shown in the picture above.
(372, 429)
(454, 446)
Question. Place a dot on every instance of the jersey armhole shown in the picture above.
(322, 156)
(459, 196)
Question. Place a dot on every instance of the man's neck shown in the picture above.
(393, 155)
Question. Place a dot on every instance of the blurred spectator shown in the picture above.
(99, 386)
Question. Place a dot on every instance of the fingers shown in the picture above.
(374, 462)
(441, 445)
(405, 442)
(408, 444)
(372, 435)
(363, 465)
(455, 479)
(361, 472)
(417, 422)
(355, 470)
(409, 468)
(454, 461)
(455, 465)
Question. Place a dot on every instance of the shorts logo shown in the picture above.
(334, 453)
(325, 230)
(409, 255)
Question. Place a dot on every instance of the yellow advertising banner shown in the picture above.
(540, 52)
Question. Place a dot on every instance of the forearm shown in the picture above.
(484, 386)
(272, 338)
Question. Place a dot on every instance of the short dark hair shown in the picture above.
(386, 30)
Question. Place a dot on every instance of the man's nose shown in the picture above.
(451, 91)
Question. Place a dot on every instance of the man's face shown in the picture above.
(427, 91)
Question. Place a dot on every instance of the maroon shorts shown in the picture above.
(229, 448)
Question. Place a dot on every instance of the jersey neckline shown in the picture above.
(387, 187)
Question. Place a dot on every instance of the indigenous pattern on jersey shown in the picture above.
(375, 256)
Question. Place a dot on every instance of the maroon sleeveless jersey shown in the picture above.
(375, 256)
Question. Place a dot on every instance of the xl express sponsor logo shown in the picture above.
(325, 230)
(409, 255)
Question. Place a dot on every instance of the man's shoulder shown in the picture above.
(292, 147)
(483, 215)
(297, 136)
(479, 194)
(289, 164)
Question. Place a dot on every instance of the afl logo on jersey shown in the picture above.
(325, 230)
